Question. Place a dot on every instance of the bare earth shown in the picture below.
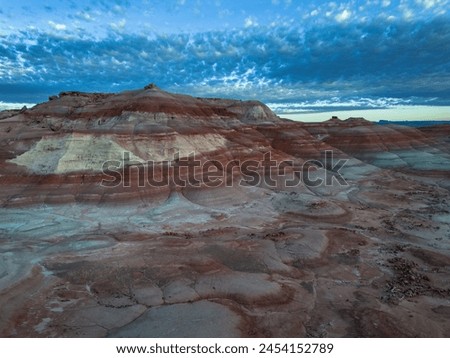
(78, 259)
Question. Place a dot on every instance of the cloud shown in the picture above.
(14, 105)
(408, 13)
(379, 59)
(343, 16)
(85, 16)
(427, 4)
(250, 22)
(338, 103)
(56, 26)
(119, 25)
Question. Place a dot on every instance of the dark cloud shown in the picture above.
(379, 59)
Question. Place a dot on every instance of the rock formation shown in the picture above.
(263, 249)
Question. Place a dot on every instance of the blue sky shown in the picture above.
(300, 55)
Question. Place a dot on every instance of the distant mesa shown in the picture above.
(351, 121)
(334, 119)
(415, 123)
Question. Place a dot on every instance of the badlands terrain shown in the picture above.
(89, 252)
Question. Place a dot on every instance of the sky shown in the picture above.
(296, 56)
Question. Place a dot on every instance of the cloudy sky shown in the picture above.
(294, 55)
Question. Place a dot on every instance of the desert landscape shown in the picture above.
(345, 234)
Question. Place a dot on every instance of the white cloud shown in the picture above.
(85, 16)
(343, 16)
(386, 3)
(405, 9)
(14, 105)
(408, 14)
(314, 12)
(119, 25)
(427, 3)
(337, 102)
(250, 22)
(58, 27)
(30, 42)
